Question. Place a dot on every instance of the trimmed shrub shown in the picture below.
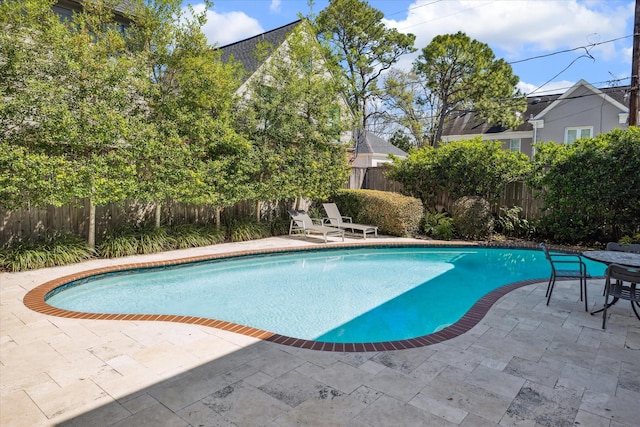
(472, 217)
(393, 213)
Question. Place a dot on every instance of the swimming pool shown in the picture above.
(355, 295)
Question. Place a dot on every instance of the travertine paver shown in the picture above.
(524, 364)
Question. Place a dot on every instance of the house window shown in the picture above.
(515, 144)
(574, 133)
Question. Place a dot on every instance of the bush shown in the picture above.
(119, 242)
(510, 224)
(438, 225)
(193, 236)
(126, 241)
(59, 249)
(590, 188)
(393, 213)
(243, 230)
(472, 217)
(460, 168)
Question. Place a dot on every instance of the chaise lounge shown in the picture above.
(302, 223)
(345, 222)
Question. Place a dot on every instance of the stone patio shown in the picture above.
(524, 364)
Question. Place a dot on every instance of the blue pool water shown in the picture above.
(346, 295)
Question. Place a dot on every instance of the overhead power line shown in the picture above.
(585, 47)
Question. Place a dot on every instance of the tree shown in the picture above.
(72, 104)
(408, 106)
(294, 116)
(364, 46)
(199, 155)
(463, 75)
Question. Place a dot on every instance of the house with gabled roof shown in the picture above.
(244, 51)
(372, 151)
(582, 111)
(369, 149)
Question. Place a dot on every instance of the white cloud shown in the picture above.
(520, 27)
(225, 28)
(550, 88)
(275, 6)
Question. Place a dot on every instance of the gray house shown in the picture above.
(580, 112)
(244, 51)
(371, 150)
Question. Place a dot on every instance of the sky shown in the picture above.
(550, 44)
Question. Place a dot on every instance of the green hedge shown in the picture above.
(393, 213)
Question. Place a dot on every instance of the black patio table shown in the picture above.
(627, 259)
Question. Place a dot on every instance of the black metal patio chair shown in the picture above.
(567, 266)
(621, 283)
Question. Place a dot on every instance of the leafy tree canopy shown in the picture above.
(365, 47)
(463, 75)
(294, 114)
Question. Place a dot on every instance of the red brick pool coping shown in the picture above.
(35, 300)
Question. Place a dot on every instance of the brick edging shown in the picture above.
(35, 299)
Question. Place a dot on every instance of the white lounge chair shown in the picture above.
(345, 222)
(302, 223)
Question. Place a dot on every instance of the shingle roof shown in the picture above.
(244, 50)
(468, 123)
(369, 143)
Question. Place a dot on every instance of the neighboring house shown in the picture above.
(580, 112)
(371, 150)
(244, 51)
(66, 8)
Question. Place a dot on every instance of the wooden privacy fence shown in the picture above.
(515, 194)
(74, 219)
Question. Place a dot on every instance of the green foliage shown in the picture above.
(192, 236)
(365, 47)
(58, 249)
(627, 240)
(510, 223)
(472, 217)
(69, 101)
(241, 231)
(402, 141)
(393, 213)
(294, 116)
(118, 243)
(195, 156)
(590, 188)
(409, 105)
(126, 241)
(463, 74)
(461, 168)
(438, 225)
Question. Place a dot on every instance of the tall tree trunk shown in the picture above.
(91, 234)
(218, 210)
(258, 210)
(158, 214)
